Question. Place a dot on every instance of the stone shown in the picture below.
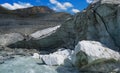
(7, 39)
(116, 70)
(57, 58)
(102, 66)
(87, 52)
(45, 32)
(36, 55)
(64, 52)
(53, 60)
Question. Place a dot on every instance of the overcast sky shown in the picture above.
(70, 6)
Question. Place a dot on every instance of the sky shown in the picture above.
(70, 6)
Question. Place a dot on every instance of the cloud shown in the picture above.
(89, 1)
(53, 1)
(75, 10)
(61, 6)
(67, 4)
(18, 5)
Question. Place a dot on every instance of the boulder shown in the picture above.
(36, 55)
(87, 52)
(7, 39)
(52, 59)
(45, 32)
(57, 58)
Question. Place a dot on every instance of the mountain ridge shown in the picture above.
(35, 10)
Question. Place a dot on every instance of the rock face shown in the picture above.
(7, 39)
(99, 22)
(87, 52)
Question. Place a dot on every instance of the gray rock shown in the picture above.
(87, 52)
(36, 55)
(44, 33)
(7, 39)
(8, 53)
(1, 60)
(94, 57)
(58, 58)
(102, 66)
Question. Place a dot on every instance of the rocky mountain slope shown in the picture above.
(99, 22)
(34, 10)
(3, 10)
(29, 20)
